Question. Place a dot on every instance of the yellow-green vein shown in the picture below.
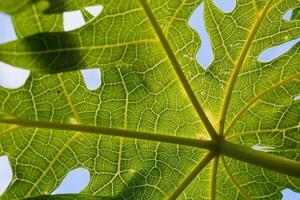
(209, 145)
(239, 64)
(234, 181)
(7, 113)
(9, 129)
(59, 50)
(167, 29)
(168, 50)
(213, 179)
(60, 152)
(68, 98)
(239, 134)
(36, 16)
(254, 100)
(195, 172)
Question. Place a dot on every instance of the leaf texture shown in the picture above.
(247, 102)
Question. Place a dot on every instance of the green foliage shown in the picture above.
(174, 116)
(13, 6)
(66, 197)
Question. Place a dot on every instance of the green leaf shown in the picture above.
(296, 13)
(159, 126)
(67, 197)
(32, 20)
(13, 6)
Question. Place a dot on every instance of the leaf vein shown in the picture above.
(239, 64)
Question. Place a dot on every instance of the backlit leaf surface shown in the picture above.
(142, 92)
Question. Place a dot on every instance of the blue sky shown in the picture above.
(11, 77)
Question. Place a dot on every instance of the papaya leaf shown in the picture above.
(160, 126)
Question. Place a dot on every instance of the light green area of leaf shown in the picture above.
(249, 102)
(67, 197)
(32, 20)
(13, 6)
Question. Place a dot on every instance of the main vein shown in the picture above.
(212, 132)
(239, 64)
(209, 145)
(213, 183)
(262, 159)
(258, 158)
